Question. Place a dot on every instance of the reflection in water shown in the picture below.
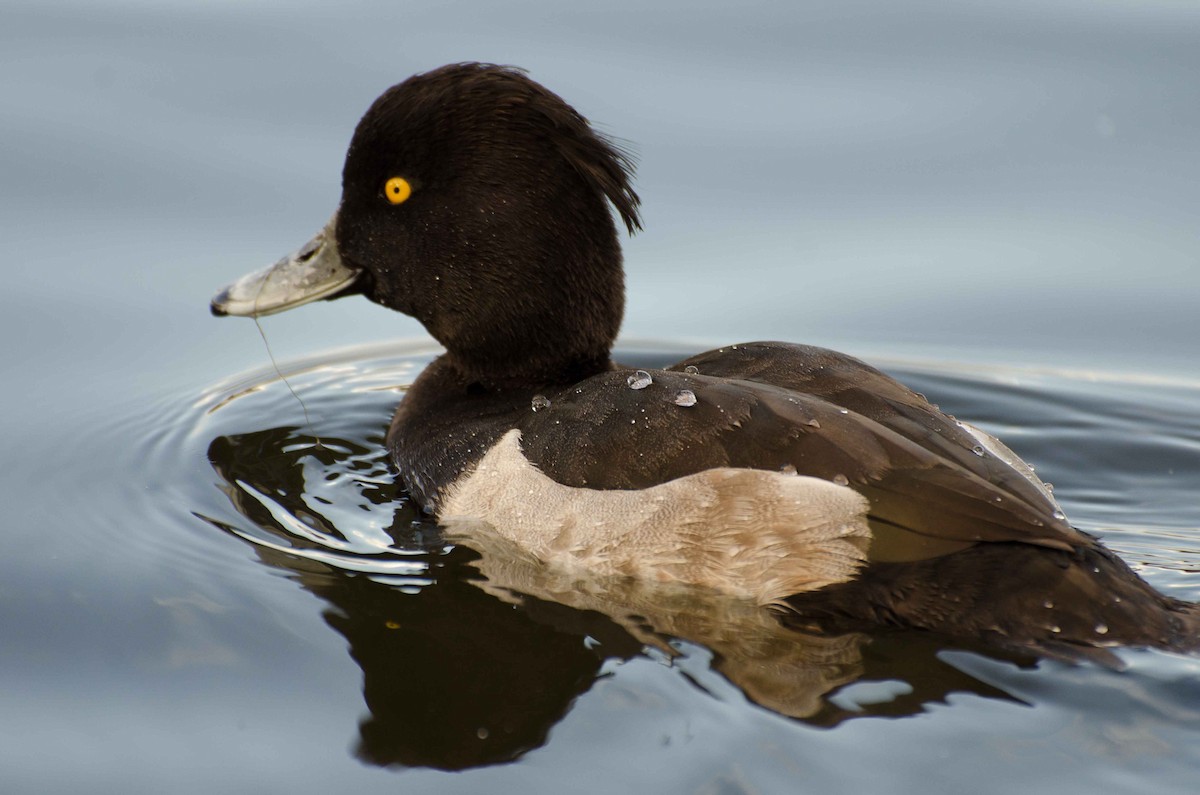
(452, 677)
(471, 652)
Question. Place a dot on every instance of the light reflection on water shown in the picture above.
(421, 622)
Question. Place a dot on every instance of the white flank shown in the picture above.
(747, 532)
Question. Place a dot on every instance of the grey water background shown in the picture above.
(1001, 184)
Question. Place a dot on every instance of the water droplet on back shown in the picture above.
(813, 424)
(685, 397)
(978, 450)
(539, 402)
(692, 369)
(841, 480)
(1102, 629)
(1059, 515)
(639, 380)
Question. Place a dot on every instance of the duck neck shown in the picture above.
(493, 375)
(553, 324)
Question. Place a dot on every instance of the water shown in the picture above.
(685, 397)
(303, 592)
(201, 590)
(640, 379)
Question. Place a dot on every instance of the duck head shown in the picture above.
(474, 200)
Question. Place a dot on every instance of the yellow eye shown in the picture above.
(397, 190)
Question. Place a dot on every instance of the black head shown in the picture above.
(505, 249)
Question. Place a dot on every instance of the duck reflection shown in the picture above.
(472, 660)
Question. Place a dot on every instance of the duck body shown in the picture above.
(959, 540)
(476, 201)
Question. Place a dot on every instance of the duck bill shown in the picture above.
(313, 272)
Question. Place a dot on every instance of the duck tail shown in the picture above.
(1053, 602)
(1105, 602)
(1187, 617)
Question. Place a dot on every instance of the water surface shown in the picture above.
(996, 201)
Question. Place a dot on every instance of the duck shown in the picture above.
(799, 478)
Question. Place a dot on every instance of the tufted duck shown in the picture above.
(476, 201)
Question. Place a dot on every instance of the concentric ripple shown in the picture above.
(310, 491)
(313, 480)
